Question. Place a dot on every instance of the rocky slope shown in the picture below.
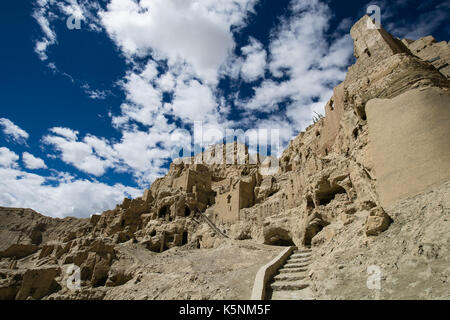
(203, 230)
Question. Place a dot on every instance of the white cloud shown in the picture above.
(49, 38)
(193, 101)
(65, 132)
(144, 98)
(47, 11)
(140, 153)
(59, 196)
(79, 154)
(8, 158)
(13, 131)
(32, 162)
(255, 61)
(307, 65)
(195, 32)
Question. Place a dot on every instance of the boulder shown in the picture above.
(19, 251)
(37, 283)
(377, 222)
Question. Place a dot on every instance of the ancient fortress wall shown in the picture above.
(410, 142)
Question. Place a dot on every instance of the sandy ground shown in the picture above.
(412, 255)
(226, 272)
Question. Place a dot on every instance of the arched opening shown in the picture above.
(314, 227)
(163, 212)
(311, 232)
(187, 211)
(184, 239)
(309, 203)
(278, 237)
(326, 192)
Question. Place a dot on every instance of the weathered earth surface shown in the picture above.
(365, 186)
(412, 255)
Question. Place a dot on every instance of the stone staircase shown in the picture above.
(211, 224)
(291, 281)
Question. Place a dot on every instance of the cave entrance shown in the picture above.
(278, 237)
(184, 239)
(163, 212)
(187, 211)
(328, 193)
(311, 231)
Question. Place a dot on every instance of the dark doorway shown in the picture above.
(185, 238)
(187, 211)
(314, 227)
(276, 241)
(278, 237)
(311, 232)
(163, 212)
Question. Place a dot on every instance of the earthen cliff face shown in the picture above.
(383, 139)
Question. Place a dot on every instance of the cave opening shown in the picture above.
(278, 237)
(187, 211)
(163, 212)
(275, 241)
(309, 203)
(185, 237)
(311, 232)
(326, 196)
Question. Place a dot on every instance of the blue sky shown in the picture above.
(92, 115)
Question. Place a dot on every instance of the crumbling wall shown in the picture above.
(436, 53)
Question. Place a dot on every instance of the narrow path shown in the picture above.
(291, 281)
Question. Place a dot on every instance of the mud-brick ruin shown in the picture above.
(368, 183)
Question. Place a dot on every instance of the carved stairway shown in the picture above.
(211, 224)
(291, 281)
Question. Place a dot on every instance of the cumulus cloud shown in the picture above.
(12, 131)
(8, 158)
(61, 195)
(32, 162)
(46, 12)
(79, 154)
(195, 32)
(255, 61)
(304, 66)
(143, 154)
(143, 98)
(67, 133)
(193, 101)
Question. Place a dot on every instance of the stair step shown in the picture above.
(292, 270)
(295, 265)
(300, 257)
(305, 294)
(302, 251)
(301, 254)
(289, 285)
(290, 276)
(299, 260)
